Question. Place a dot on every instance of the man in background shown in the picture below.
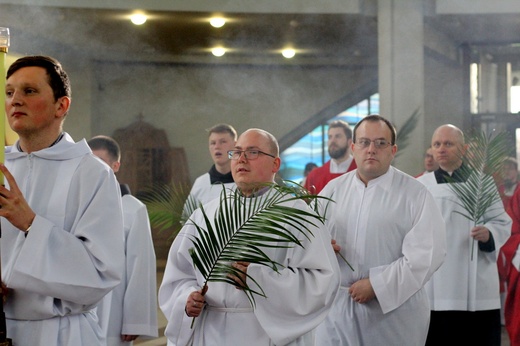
(130, 310)
(309, 167)
(507, 181)
(509, 267)
(385, 223)
(429, 163)
(339, 142)
(222, 138)
(466, 286)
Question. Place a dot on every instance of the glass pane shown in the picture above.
(515, 99)
(313, 146)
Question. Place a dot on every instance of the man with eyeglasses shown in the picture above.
(298, 296)
(385, 230)
(465, 288)
(339, 142)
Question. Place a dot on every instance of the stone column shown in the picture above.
(401, 73)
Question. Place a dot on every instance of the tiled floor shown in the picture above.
(161, 340)
(505, 338)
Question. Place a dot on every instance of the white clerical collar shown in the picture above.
(340, 167)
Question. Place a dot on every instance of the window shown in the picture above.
(313, 146)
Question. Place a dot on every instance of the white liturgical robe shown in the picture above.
(391, 232)
(203, 191)
(298, 297)
(465, 283)
(131, 307)
(73, 254)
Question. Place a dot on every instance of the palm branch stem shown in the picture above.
(340, 255)
(242, 228)
(473, 244)
(203, 292)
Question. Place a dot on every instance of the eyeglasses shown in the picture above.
(378, 143)
(249, 154)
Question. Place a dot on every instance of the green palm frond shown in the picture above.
(404, 132)
(478, 192)
(243, 228)
(314, 204)
(169, 206)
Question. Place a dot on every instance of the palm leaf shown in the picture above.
(314, 204)
(243, 228)
(478, 193)
(169, 206)
(405, 131)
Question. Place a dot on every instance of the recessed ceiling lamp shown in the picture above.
(288, 53)
(217, 22)
(138, 18)
(218, 51)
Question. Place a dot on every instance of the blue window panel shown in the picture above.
(311, 148)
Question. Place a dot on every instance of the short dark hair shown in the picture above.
(106, 143)
(309, 167)
(58, 78)
(375, 118)
(223, 128)
(344, 125)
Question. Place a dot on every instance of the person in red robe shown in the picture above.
(512, 304)
(341, 162)
(507, 182)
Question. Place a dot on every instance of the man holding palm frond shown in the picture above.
(277, 302)
(464, 292)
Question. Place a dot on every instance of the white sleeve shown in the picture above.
(516, 259)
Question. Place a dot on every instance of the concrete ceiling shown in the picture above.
(182, 36)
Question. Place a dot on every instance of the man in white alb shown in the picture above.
(386, 224)
(298, 296)
(130, 310)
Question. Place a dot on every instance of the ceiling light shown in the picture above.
(138, 18)
(217, 22)
(288, 53)
(218, 51)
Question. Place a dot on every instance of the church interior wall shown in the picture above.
(187, 99)
(443, 101)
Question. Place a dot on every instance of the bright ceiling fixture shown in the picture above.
(217, 22)
(138, 18)
(288, 53)
(218, 51)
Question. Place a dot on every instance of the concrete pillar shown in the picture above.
(401, 73)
